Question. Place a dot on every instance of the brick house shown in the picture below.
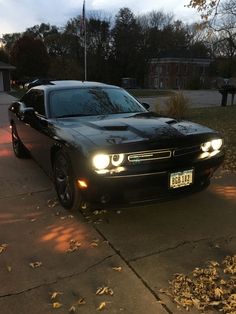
(175, 73)
(5, 69)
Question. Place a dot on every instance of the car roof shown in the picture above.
(54, 85)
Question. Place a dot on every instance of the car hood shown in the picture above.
(113, 129)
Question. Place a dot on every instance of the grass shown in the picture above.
(222, 119)
(149, 92)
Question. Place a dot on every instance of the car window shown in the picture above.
(92, 101)
(38, 105)
(35, 99)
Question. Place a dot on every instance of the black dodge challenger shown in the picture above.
(101, 145)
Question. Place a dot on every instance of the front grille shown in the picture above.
(149, 155)
(186, 151)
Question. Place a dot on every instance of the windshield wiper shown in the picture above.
(72, 115)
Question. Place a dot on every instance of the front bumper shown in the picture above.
(150, 185)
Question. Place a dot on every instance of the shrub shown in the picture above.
(177, 106)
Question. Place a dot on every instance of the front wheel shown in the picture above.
(19, 149)
(66, 187)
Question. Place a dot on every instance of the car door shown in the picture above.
(35, 131)
(23, 126)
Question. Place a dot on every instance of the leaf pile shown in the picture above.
(212, 287)
(74, 245)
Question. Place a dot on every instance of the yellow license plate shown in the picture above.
(180, 179)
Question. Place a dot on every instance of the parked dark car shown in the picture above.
(101, 145)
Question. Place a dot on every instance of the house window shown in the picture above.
(167, 68)
(186, 68)
(178, 68)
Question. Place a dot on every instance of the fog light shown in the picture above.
(82, 184)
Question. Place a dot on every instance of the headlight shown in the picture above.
(216, 144)
(117, 159)
(212, 145)
(206, 146)
(101, 161)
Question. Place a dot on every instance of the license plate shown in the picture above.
(180, 179)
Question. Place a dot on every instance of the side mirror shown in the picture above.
(14, 107)
(146, 106)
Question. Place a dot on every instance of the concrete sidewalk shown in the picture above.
(6, 99)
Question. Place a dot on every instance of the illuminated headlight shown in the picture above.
(216, 144)
(101, 161)
(117, 159)
(206, 146)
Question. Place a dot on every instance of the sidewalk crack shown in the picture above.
(58, 279)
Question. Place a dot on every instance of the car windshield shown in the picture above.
(92, 101)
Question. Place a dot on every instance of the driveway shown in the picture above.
(134, 251)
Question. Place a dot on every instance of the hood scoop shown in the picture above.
(115, 127)
(171, 121)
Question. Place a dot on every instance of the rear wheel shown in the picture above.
(19, 149)
(66, 187)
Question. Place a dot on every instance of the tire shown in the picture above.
(18, 148)
(66, 187)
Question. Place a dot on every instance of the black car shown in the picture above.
(101, 145)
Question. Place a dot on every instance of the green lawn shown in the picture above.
(222, 119)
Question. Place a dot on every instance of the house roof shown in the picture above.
(5, 66)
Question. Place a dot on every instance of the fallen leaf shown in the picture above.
(93, 244)
(214, 263)
(101, 306)
(35, 264)
(99, 212)
(81, 301)
(9, 269)
(3, 247)
(55, 294)
(56, 305)
(104, 290)
(218, 293)
(52, 203)
(117, 268)
(72, 309)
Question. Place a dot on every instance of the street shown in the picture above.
(134, 251)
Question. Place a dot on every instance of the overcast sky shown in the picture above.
(17, 15)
